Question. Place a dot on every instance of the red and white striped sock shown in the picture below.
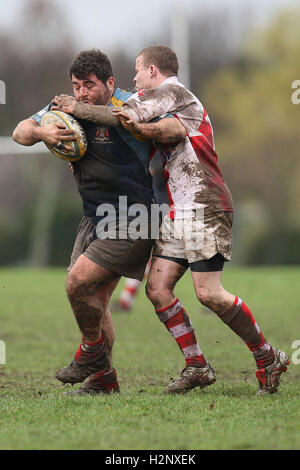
(240, 319)
(88, 351)
(131, 289)
(129, 292)
(178, 323)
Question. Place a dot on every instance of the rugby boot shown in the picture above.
(192, 377)
(268, 377)
(87, 361)
(98, 384)
(120, 306)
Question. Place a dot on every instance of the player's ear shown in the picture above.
(111, 83)
(152, 70)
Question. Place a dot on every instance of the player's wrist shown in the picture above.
(139, 128)
(37, 133)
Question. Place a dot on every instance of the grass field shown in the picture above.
(41, 336)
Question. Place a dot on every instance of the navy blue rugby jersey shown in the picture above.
(116, 164)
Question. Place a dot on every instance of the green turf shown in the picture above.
(41, 336)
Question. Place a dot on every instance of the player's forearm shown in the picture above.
(99, 114)
(27, 133)
(165, 131)
(94, 113)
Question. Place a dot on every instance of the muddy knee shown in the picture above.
(79, 288)
(206, 297)
(157, 292)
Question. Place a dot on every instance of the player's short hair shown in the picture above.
(91, 61)
(163, 57)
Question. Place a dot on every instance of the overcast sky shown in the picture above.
(116, 22)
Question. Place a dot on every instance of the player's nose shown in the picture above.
(83, 92)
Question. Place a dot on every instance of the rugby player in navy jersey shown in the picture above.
(116, 164)
(201, 210)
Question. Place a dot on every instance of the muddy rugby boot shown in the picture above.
(192, 377)
(268, 377)
(88, 360)
(120, 306)
(98, 384)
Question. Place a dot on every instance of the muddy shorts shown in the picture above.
(126, 257)
(196, 238)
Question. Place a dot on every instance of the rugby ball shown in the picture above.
(79, 147)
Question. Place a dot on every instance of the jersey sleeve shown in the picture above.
(37, 117)
(152, 104)
(169, 100)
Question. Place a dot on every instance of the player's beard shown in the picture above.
(105, 98)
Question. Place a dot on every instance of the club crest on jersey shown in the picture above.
(102, 135)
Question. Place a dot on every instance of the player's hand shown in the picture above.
(63, 103)
(127, 122)
(56, 134)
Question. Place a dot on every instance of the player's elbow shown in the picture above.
(181, 134)
(18, 134)
(176, 133)
(22, 134)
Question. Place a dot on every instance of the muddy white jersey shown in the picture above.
(193, 177)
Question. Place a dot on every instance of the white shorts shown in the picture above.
(196, 238)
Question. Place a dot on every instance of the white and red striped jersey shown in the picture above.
(193, 177)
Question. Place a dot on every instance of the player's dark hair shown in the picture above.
(91, 61)
(163, 57)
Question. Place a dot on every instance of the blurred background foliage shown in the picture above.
(243, 80)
